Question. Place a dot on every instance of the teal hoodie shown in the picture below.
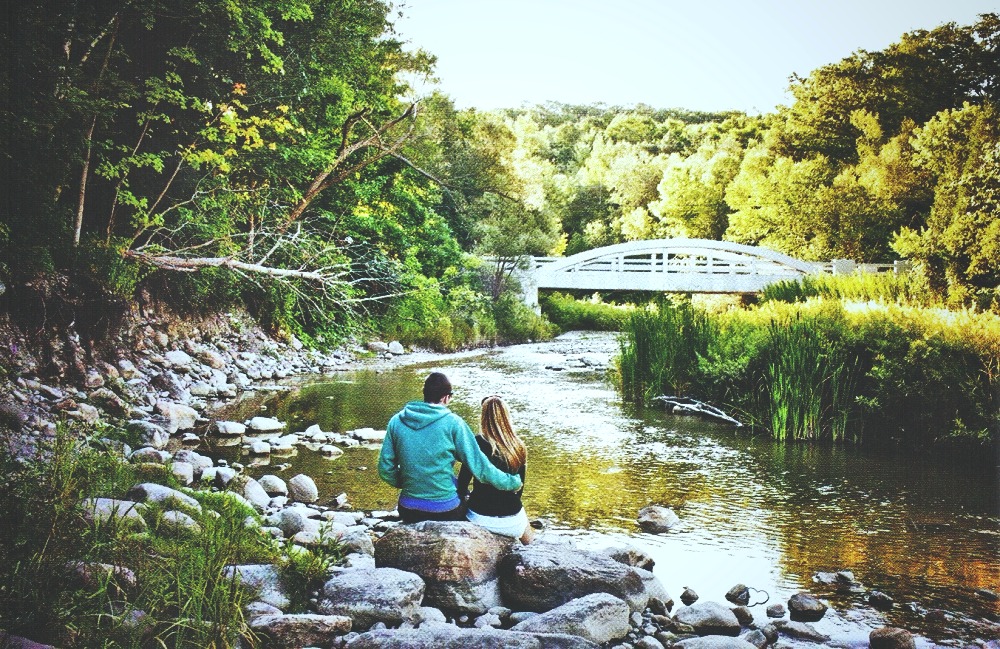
(422, 443)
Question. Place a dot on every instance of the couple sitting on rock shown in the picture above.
(425, 439)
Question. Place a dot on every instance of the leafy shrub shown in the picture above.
(568, 313)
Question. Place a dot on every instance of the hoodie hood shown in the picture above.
(420, 414)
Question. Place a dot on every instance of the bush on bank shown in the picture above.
(181, 595)
(822, 370)
(568, 313)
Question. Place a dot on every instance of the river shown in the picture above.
(924, 529)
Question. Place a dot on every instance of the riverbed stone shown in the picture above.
(881, 601)
(212, 358)
(230, 428)
(739, 595)
(803, 607)
(303, 489)
(800, 631)
(657, 519)
(889, 637)
(457, 561)
(265, 424)
(256, 495)
(448, 636)
(148, 433)
(357, 540)
(301, 630)
(630, 556)
(273, 485)
(175, 523)
(177, 416)
(149, 454)
(264, 578)
(708, 618)
(776, 610)
(103, 510)
(396, 348)
(182, 471)
(178, 359)
(688, 596)
(714, 642)
(544, 575)
(109, 402)
(598, 617)
(157, 493)
(368, 596)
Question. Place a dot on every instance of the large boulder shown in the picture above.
(373, 595)
(447, 636)
(542, 576)
(264, 578)
(598, 617)
(302, 630)
(161, 495)
(176, 416)
(714, 642)
(889, 637)
(803, 607)
(656, 519)
(708, 618)
(456, 560)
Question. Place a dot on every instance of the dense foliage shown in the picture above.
(263, 154)
(824, 369)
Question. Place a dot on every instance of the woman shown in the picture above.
(500, 512)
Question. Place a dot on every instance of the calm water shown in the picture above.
(925, 530)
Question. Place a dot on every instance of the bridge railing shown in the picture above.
(836, 266)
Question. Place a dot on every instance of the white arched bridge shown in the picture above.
(674, 266)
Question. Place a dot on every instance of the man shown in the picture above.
(422, 443)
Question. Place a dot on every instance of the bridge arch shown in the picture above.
(668, 265)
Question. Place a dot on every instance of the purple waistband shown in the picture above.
(429, 505)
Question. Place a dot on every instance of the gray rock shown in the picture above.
(367, 435)
(303, 489)
(630, 556)
(714, 642)
(803, 607)
(155, 493)
(258, 608)
(103, 510)
(357, 541)
(378, 346)
(542, 576)
(230, 428)
(447, 636)
(127, 369)
(598, 617)
(293, 520)
(202, 389)
(487, 620)
(263, 578)
(396, 348)
(93, 379)
(878, 599)
(708, 618)
(148, 433)
(212, 359)
(301, 630)
(177, 523)
(689, 597)
(776, 610)
(756, 637)
(260, 447)
(800, 631)
(739, 595)
(177, 416)
(273, 485)
(744, 615)
(149, 454)
(456, 560)
(179, 359)
(8, 641)
(183, 471)
(197, 460)
(891, 638)
(265, 424)
(656, 519)
(255, 495)
(368, 596)
(109, 402)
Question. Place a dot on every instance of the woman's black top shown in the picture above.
(486, 499)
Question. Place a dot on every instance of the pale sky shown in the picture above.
(695, 54)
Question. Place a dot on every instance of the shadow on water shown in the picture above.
(924, 529)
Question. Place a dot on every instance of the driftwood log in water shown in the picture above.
(689, 406)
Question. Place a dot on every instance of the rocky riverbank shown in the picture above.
(427, 585)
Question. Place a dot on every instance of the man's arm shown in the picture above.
(479, 465)
(387, 469)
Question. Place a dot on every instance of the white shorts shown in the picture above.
(513, 526)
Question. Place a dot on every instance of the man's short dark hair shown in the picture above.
(436, 387)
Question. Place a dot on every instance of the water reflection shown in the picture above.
(924, 529)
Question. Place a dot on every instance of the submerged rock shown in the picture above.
(803, 607)
(656, 519)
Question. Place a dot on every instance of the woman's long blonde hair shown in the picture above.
(494, 421)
